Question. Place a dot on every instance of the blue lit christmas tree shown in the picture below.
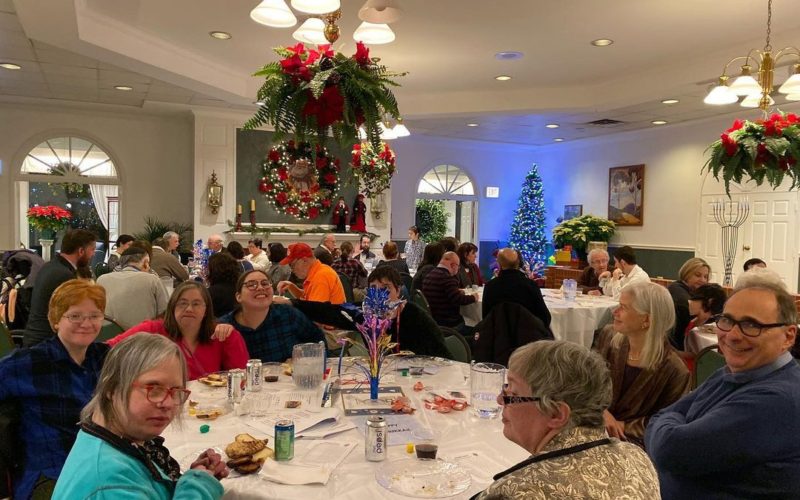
(527, 230)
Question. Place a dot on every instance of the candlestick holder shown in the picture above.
(238, 223)
(252, 220)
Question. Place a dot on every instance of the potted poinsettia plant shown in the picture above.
(48, 219)
(579, 231)
(313, 92)
(760, 150)
(373, 168)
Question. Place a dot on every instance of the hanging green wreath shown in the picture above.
(298, 182)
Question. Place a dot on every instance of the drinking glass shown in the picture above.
(307, 365)
(486, 382)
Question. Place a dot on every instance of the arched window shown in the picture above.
(74, 173)
(446, 180)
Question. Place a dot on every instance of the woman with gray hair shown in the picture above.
(553, 407)
(646, 372)
(119, 451)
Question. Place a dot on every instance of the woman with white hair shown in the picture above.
(119, 452)
(553, 407)
(646, 372)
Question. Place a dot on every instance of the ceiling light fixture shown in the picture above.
(321, 17)
(220, 35)
(502, 78)
(659, 122)
(552, 125)
(123, 87)
(400, 130)
(511, 55)
(602, 42)
(8, 65)
(558, 139)
(670, 101)
(387, 133)
(472, 124)
(758, 88)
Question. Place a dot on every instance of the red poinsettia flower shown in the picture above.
(298, 49)
(281, 198)
(730, 145)
(791, 118)
(313, 212)
(283, 174)
(292, 210)
(274, 155)
(262, 186)
(328, 109)
(326, 203)
(736, 126)
(362, 54)
(329, 178)
(773, 128)
(314, 189)
(291, 64)
(325, 50)
(322, 162)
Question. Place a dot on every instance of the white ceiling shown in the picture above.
(80, 49)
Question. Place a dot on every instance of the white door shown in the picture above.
(769, 233)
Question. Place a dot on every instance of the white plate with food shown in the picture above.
(423, 478)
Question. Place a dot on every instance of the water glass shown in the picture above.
(486, 382)
(570, 289)
(308, 365)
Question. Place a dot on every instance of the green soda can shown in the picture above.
(284, 440)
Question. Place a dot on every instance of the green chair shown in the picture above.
(707, 361)
(457, 345)
(6, 342)
(109, 330)
(419, 299)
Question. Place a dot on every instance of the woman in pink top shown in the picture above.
(189, 322)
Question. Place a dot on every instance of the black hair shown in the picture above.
(753, 262)
(625, 253)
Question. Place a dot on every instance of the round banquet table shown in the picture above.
(574, 321)
(477, 445)
(699, 338)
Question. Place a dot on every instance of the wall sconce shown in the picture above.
(377, 205)
(214, 193)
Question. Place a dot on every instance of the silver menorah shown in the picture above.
(730, 215)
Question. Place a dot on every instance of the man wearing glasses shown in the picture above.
(738, 434)
(320, 281)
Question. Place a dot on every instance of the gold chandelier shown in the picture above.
(757, 89)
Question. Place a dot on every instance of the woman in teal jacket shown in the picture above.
(118, 453)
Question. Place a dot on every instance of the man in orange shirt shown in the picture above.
(321, 283)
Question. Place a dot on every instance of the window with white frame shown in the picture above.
(446, 180)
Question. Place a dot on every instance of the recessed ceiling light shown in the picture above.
(258, 103)
(510, 55)
(8, 65)
(559, 139)
(659, 122)
(502, 78)
(602, 42)
(472, 124)
(552, 125)
(220, 35)
(670, 101)
(123, 87)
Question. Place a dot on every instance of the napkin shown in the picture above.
(314, 465)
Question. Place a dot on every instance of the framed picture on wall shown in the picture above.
(626, 195)
(572, 211)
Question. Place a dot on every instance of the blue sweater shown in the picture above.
(97, 470)
(736, 436)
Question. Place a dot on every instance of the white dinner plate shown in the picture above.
(423, 478)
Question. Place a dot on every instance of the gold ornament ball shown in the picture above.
(331, 32)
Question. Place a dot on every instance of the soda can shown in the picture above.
(236, 385)
(375, 439)
(253, 375)
(284, 440)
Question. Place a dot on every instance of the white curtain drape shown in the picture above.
(100, 195)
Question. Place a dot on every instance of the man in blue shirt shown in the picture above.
(738, 434)
(269, 330)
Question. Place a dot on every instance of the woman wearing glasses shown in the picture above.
(553, 408)
(189, 322)
(51, 382)
(269, 330)
(646, 371)
(118, 452)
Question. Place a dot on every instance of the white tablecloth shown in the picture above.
(699, 338)
(575, 321)
(478, 445)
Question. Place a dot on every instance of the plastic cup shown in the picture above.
(271, 371)
(486, 382)
(425, 443)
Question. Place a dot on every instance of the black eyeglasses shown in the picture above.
(158, 393)
(254, 284)
(748, 327)
(504, 399)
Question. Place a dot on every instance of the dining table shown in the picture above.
(574, 320)
(475, 447)
(700, 337)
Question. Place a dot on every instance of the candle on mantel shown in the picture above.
(252, 205)
(239, 209)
